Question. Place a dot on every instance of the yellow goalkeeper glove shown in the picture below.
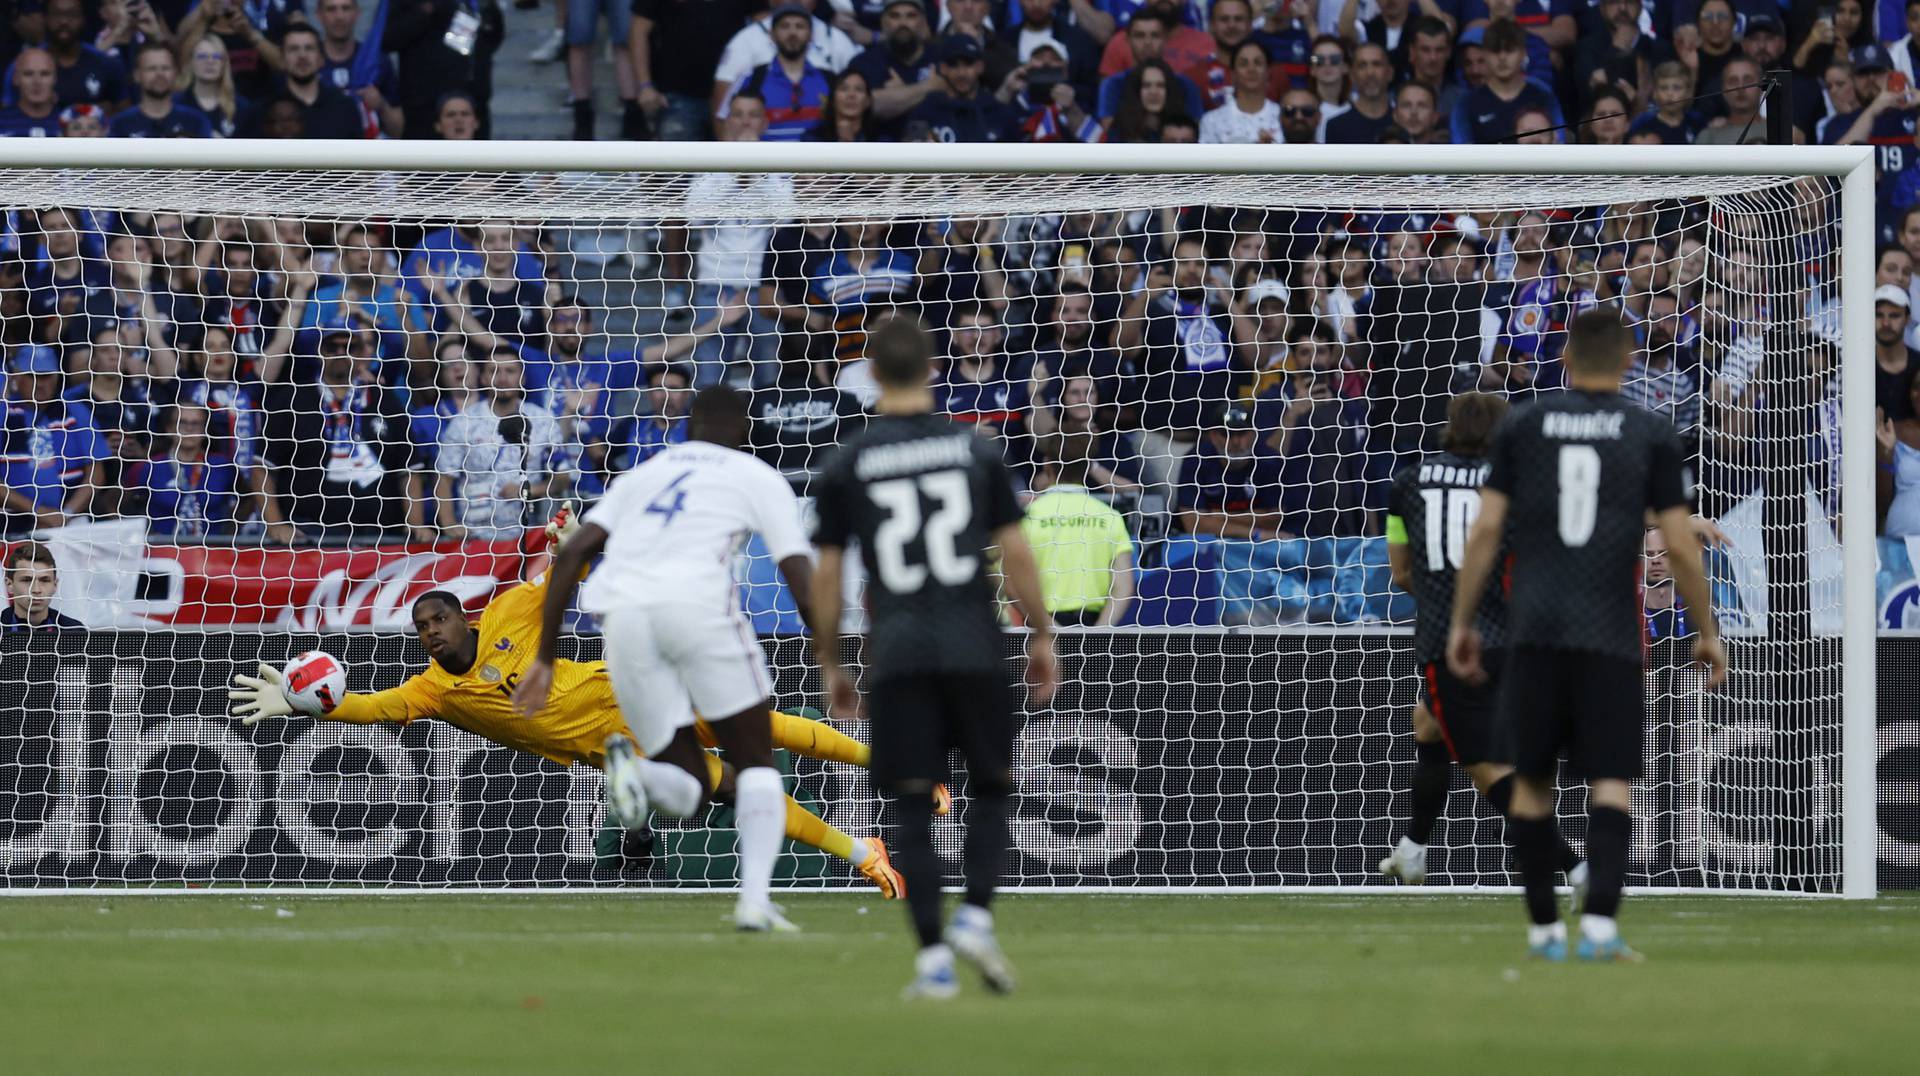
(562, 525)
(256, 698)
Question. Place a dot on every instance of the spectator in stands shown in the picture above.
(1056, 110)
(1710, 44)
(206, 84)
(338, 450)
(282, 117)
(1249, 116)
(669, 399)
(1666, 617)
(793, 91)
(325, 111)
(1487, 113)
(1531, 290)
(966, 111)
(250, 41)
(1300, 117)
(1666, 376)
(499, 301)
(898, 69)
(674, 49)
(1146, 102)
(1072, 346)
(794, 424)
(83, 74)
(1185, 359)
(365, 286)
(121, 403)
(379, 99)
(443, 46)
(1416, 114)
(1331, 479)
(1895, 363)
(1898, 456)
(829, 49)
(32, 581)
(976, 386)
(1372, 107)
(863, 271)
(1230, 486)
(959, 264)
(1424, 328)
(1390, 28)
(972, 18)
(1833, 37)
(35, 111)
(51, 456)
(1615, 54)
(1146, 38)
(1080, 544)
(848, 115)
(1606, 121)
(496, 458)
(1329, 81)
(1187, 50)
(61, 278)
(191, 491)
(728, 269)
(1080, 406)
(1741, 123)
(1042, 20)
(583, 19)
(237, 424)
(456, 118)
(1430, 61)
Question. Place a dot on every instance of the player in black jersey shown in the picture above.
(1430, 508)
(928, 501)
(1572, 479)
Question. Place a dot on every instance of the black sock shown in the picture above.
(1533, 846)
(1608, 831)
(918, 864)
(633, 122)
(1429, 789)
(986, 847)
(1500, 794)
(583, 121)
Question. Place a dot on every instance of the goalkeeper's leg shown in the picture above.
(868, 855)
(814, 738)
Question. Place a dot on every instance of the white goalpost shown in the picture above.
(264, 395)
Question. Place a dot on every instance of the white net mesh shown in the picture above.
(253, 414)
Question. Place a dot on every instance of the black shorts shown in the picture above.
(919, 717)
(1466, 713)
(1590, 707)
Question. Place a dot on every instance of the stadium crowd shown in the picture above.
(1237, 385)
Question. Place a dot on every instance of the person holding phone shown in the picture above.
(1885, 123)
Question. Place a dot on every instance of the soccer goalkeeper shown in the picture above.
(470, 684)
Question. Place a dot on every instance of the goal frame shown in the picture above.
(1852, 166)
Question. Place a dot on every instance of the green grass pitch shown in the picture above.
(472, 983)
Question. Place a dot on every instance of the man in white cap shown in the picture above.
(1894, 362)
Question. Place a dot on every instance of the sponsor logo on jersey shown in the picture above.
(504, 644)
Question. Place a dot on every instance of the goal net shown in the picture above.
(256, 411)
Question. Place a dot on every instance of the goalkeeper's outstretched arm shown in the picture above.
(256, 698)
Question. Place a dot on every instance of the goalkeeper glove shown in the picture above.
(256, 698)
(563, 524)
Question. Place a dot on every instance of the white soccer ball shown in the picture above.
(315, 682)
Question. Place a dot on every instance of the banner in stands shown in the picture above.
(113, 578)
(1201, 759)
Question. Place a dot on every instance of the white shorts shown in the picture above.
(669, 661)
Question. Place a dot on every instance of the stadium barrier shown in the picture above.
(1170, 759)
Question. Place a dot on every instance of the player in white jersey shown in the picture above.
(676, 640)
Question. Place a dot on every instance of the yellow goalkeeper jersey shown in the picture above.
(573, 727)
